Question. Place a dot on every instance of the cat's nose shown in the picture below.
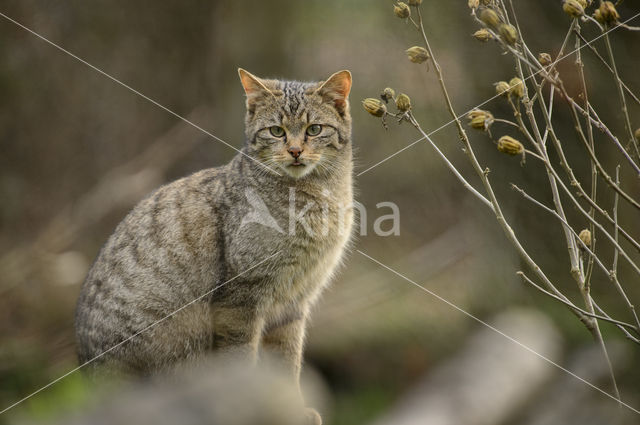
(294, 151)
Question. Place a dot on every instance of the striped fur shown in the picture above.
(186, 238)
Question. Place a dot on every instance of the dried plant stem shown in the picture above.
(449, 165)
(623, 103)
(575, 307)
(483, 175)
(594, 173)
(511, 123)
(567, 193)
(523, 129)
(568, 170)
(616, 228)
(512, 237)
(600, 341)
(595, 222)
(587, 249)
(614, 268)
(612, 275)
(597, 122)
(591, 215)
(563, 220)
(624, 330)
(604, 62)
(549, 112)
(577, 270)
(578, 127)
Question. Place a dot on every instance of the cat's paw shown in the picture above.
(312, 417)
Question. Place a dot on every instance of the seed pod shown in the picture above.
(417, 54)
(583, 3)
(573, 8)
(516, 87)
(510, 146)
(479, 119)
(490, 18)
(476, 113)
(606, 13)
(479, 123)
(585, 237)
(403, 102)
(374, 107)
(415, 2)
(637, 135)
(545, 59)
(387, 94)
(473, 4)
(502, 88)
(401, 10)
(482, 35)
(508, 33)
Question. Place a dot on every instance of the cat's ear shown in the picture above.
(253, 87)
(336, 89)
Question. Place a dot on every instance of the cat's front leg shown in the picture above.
(285, 341)
(236, 333)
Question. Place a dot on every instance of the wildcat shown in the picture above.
(196, 236)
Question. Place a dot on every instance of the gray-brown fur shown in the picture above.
(186, 238)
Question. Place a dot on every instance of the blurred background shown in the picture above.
(77, 151)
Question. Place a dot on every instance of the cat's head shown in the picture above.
(298, 128)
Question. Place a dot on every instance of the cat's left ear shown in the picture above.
(254, 88)
(336, 89)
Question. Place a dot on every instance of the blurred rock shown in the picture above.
(215, 392)
(569, 400)
(489, 379)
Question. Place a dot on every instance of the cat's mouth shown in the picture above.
(298, 167)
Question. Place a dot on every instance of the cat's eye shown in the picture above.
(314, 129)
(276, 131)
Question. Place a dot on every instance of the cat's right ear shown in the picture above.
(253, 87)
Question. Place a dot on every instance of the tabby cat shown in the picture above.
(248, 285)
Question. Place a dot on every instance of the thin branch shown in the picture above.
(578, 127)
(483, 175)
(614, 269)
(623, 102)
(613, 276)
(565, 223)
(622, 328)
(549, 112)
(576, 271)
(616, 228)
(575, 307)
(604, 62)
(594, 174)
(598, 225)
(573, 180)
(511, 123)
(597, 122)
(449, 165)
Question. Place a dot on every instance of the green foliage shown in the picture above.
(361, 405)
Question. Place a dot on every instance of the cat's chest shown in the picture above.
(306, 233)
